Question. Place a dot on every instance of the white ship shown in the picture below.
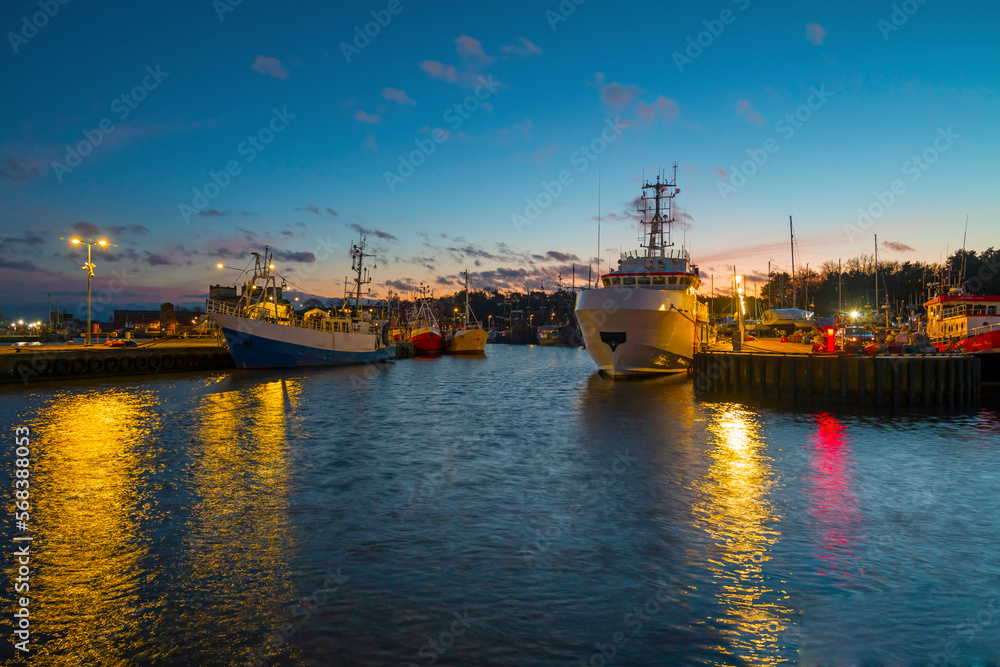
(646, 317)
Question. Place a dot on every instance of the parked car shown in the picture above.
(854, 335)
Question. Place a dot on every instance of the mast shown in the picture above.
(840, 288)
(358, 255)
(467, 297)
(876, 277)
(791, 236)
(658, 239)
(598, 227)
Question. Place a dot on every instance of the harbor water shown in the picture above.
(515, 509)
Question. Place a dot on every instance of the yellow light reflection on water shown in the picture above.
(738, 515)
(239, 532)
(89, 499)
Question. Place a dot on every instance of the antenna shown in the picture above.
(599, 227)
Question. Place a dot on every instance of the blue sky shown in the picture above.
(838, 97)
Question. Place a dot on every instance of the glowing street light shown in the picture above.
(89, 268)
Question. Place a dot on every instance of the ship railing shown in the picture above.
(986, 329)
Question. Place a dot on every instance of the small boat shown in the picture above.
(468, 338)
(787, 319)
(425, 332)
(263, 332)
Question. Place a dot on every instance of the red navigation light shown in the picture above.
(829, 332)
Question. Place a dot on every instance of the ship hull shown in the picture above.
(259, 344)
(631, 332)
(426, 341)
(467, 341)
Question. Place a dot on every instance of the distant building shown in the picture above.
(223, 293)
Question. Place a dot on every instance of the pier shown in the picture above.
(953, 380)
(24, 365)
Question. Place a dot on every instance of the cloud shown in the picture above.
(156, 259)
(331, 211)
(269, 66)
(690, 168)
(213, 213)
(440, 71)
(720, 172)
(815, 33)
(20, 169)
(615, 94)
(897, 246)
(30, 238)
(472, 48)
(370, 143)
(377, 232)
(474, 59)
(25, 266)
(562, 256)
(663, 107)
(401, 285)
(120, 230)
(524, 49)
(296, 257)
(87, 229)
(397, 96)
(744, 108)
(312, 208)
(363, 117)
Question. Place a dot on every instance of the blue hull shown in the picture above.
(250, 351)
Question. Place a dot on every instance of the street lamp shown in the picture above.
(89, 268)
(246, 277)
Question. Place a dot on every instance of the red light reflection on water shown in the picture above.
(834, 505)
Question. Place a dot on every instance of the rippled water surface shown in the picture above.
(516, 509)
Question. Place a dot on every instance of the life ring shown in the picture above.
(113, 364)
(155, 362)
(96, 365)
(127, 363)
(141, 363)
(167, 361)
(63, 366)
(79, 365)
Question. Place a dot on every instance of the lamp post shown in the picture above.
(89, 268)
(246, 278)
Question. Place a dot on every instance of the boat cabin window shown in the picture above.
(991, 310)
(672, 280)
(628, 280)
(607, 281)
(979, 309)
(616, 281)
(658, 280)
(643, 280)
